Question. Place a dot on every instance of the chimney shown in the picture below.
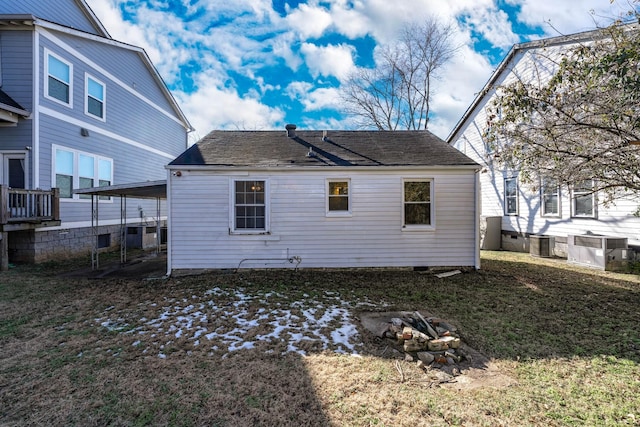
(291, 130)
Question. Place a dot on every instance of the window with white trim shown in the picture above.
(250, 206)
(511, 196)
(550, 197)
(583, 200)
(338, 197)
(417, 203)
(59, 81)
(77, 170)
(94, 98)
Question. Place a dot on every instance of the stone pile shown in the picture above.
(432, 341)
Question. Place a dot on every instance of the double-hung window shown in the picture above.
(64, 166)
(105, 174)
(338, 197)
(418, 204)
(78, 170)
(86, 173)
(511, 196)
(58, 85)
(583, 200)
(94, 98)
(550, 197)
(250, 206)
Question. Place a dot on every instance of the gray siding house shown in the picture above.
(314, 199)
(78, 109)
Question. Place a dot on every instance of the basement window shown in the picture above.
(104, 241)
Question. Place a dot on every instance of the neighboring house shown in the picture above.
(511, 211)
(313, 199)
(78, 109)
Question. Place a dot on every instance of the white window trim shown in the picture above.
(420, 227)
(594, 201)
(48, 53)
(232, 208)
(341, 214)
(76, 173)
(558, 192)
(88, 76)
(504, 196)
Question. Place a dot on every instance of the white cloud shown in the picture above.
(213, 108)
(322, 98)
(494, 26)
(330, 60)
(282, 48)
(464, 77)
(568, 16)
(309, 21)
(297, 90)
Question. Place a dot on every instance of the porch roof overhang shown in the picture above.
(140, 190)
(10, 110)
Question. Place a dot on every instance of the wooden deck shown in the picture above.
(22, 209)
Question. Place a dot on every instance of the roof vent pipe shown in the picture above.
(291, 130)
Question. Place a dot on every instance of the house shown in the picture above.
(314, 199)
(78, 109)
(513, 212)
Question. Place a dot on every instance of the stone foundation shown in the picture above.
(32, 246)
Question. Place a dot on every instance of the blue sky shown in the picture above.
(259, 64)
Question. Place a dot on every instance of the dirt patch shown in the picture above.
(146, 265)
(475, 370)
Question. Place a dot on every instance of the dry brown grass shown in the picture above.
(562, 343)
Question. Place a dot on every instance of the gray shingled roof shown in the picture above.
(309, 148)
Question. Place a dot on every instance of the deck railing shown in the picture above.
(21, 205)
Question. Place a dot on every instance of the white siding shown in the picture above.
(371, 237)
(615, 220)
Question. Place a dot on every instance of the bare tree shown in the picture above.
(396, 93)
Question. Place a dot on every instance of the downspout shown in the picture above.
(169, 217)
(35, 126)
(476, 187)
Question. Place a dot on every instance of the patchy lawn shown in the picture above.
(560, 346)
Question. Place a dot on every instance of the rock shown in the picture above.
(407, 333)
(422, 337)
(452, 342)
(383, 329)
(426, 358)
(437, 345)
(413, 345)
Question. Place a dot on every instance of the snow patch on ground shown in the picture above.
(232, 320)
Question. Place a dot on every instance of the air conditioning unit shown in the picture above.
(602, 252)
(540, 246)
